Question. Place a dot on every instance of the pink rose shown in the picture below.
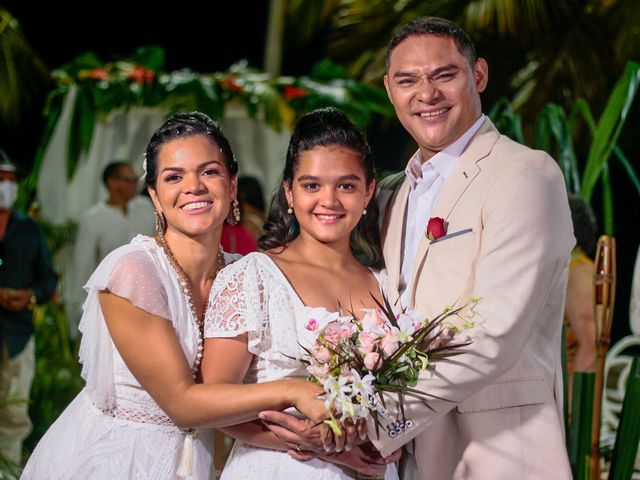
(319, 371)
(312, 325)
(322, 354)
(390, 344)
(371, 361)
(366, 342)
(332, 333)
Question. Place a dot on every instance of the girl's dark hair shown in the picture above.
(325, 127)
(182, 125)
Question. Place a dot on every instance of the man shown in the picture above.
(508, 241)
(26, 278)
(495, 411)
(108, 225)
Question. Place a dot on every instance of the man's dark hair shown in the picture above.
(111, 170)
(437, 26)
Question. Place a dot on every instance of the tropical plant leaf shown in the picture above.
(83, 120)
(628, 434)
(579, 438)
(610, 125)
(151, 57)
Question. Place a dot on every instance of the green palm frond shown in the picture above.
(22, 73)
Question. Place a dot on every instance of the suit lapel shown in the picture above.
(393, 238)
(464, 173)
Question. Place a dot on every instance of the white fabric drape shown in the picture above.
(123, 135)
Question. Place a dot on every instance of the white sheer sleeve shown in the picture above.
(133, 272)
(136, 277)
(237, 302)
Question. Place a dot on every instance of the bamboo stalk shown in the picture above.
(605, 289)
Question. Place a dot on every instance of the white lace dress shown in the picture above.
(113, 429)
(254, 296)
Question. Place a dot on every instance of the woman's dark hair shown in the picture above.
(585, 227)
(183, 125)
(325, 127)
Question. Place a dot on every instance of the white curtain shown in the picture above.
(123, 135)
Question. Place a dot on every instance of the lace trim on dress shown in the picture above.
(138, 416)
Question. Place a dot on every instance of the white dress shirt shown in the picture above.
(102, 229)
(427, 180)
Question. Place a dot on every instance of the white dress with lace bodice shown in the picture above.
(253, 296)
(113, 429)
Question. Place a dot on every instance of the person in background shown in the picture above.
(578, 311)
(27, 278)
(251, 199)
(235, 238)
(241, 236)
(106, 226)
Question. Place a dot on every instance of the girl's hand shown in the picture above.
(305, 399)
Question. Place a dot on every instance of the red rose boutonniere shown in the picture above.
(436, 228)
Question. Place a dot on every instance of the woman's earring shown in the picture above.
(290, 209)
(161, 223)
(364, 212)
(235, 207)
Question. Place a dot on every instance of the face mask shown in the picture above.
(8, 193)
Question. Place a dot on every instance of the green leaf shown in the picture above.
(628, 434)
(610, 125)
(83, 120)
(579, 438)
(151, 57)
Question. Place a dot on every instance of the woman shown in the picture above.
(321, 252)
(142, 338)
(578, 311)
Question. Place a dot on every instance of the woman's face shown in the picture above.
(194, 189)
(329, 193)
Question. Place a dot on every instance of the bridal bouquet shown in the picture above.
(357, 359)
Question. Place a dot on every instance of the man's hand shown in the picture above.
(15, 300)
(302, 435)
(365, 460)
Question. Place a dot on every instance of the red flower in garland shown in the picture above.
(141, 75)
(232, 84)
(94, 74)
(290, 92)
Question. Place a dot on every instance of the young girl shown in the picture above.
(322, 254)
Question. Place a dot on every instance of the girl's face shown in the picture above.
(329, 193)
(194, 189)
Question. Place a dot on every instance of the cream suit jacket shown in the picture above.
(495, 410)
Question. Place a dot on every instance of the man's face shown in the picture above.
(434, 90)
(125, 181)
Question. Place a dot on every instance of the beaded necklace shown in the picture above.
(186, 289)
